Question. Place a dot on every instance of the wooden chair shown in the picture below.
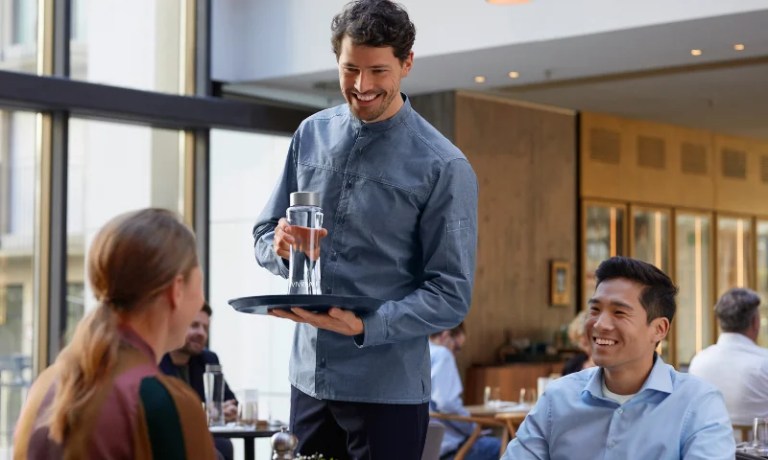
(481, 423)
(512, 421)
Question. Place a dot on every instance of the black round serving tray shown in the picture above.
(261, 304)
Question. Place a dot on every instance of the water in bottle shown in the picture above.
(306, 220)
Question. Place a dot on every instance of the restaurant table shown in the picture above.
(247, 435)
(511, 414)
(504, 418)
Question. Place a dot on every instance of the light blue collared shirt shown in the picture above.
(446, 397)
(400, 205)
(673, 416)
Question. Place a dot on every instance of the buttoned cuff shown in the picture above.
(266, 256)
(374, 330)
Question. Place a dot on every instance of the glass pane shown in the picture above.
(113, 168)
(604, 238)
(694, 328)
(18, 334)
(246, 165)
(140, 50)
(762, 279)
(18, 35)
(734, 253)
(650, 242)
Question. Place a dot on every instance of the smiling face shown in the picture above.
(370, 80)
(622, 339)
(197, 334)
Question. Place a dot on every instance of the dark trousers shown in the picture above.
(224, 448)
(358, 431)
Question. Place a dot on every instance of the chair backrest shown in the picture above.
(435, 433)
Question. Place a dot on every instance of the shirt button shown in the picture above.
(334, 256)
(349, 184)
(620, 411)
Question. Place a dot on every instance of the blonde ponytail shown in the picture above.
(82, 366)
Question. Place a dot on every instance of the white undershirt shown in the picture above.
(621, 399)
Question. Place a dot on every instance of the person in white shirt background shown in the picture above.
(736, 365)
(446, 397)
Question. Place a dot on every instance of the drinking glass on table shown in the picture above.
(248, 409)
(527, 396)
(492, 396)
(760, 435)
(213, 385)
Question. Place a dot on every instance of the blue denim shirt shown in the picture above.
(400, 205)
(673, 416)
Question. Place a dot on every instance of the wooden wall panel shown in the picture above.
(703, 170)
(525, 160)
(734, 194)
(682, 181)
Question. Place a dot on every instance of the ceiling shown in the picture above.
(646, 73)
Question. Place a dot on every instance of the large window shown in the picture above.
(244, 169)
(81, 156)
(734, 253)
(18, 175)
(604, 227)
(141, 50)
(18, 35)
(762, 278)
(650, 236)
(107, 178)
(649, 241)
(694, 327)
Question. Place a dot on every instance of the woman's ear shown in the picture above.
(175, 291)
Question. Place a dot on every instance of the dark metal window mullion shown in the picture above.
(58, 151)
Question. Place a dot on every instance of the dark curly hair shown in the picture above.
(374, 23)
(658, 295)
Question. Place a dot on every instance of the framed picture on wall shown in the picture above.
(559, 283)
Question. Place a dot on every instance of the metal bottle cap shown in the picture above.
(305, 199)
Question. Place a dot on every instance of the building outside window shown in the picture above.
(18, 173)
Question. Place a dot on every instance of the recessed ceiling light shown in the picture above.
(479, 79)
(513, 74)
(739, 46)
(695, 52)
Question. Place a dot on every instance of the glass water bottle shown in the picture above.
(306, 219)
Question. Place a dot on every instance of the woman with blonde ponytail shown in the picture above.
(104, 396)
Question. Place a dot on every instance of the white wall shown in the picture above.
(255, 40)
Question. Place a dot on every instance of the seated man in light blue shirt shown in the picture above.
(446, 398)
(633, 405)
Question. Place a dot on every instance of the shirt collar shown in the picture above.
(659, 379)
(734, 338)
(381, 126)
(128, 335)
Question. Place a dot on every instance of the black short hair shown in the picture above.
(736, 309)
(374, 23)
(658, 294)
(458, 330)
(207, 308)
